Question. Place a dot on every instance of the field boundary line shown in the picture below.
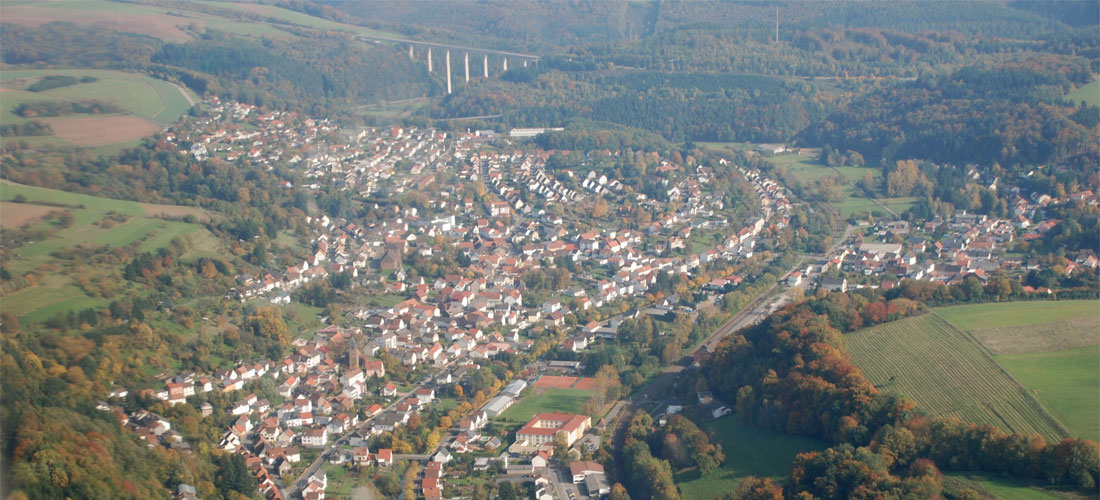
(1045, 412)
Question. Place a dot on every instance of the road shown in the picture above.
(446, 46)
(298, 484)
(756, 311)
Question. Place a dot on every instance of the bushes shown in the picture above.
(52, 82)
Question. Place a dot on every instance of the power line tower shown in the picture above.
(777, 25)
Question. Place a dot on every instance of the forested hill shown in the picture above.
(1010, 114)
(545, 25)
(315, 72)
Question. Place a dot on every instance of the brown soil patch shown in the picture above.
(585, 384)
(155, 210)
(1047, 337)
(17, 214)
(555, 382)
(160, 26)
(100, 130)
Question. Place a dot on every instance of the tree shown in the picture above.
(756, 488)
(618, 492)
(561, 446)
(902, 180)
(505, 491)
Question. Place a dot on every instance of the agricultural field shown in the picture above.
(948, 373)
(1001, 487)
(1050, 348)
(1089, 93)
(546, 400)
(750, 451)
(1008, 314)
(96, 222)
(180, 22)
(147, 105)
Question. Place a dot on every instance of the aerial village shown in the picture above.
(337, 392)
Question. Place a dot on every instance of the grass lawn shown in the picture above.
(1089, 93)
(383, 299)
(948, 373)
(750, 451)
(446, 404)
(1066, 382)
(1007, 314)
(546, 400)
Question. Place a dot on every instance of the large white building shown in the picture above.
(545, 426)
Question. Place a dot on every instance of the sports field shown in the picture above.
(546, 400)
(750, 451)
(948, 373)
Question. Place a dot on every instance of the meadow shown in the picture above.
(948, 373)
(1089, 93)
(1066, 382)
(1052, 348)
(809, 170)
(1008, 314)
(1001, 487)
(148, 105)
(56, 292)
(179, 22)
(750, 451)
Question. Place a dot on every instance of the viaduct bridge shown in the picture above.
(426, 48)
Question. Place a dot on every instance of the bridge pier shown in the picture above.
(448, 59)
(467, 67)
(485, 65)
(429, 59)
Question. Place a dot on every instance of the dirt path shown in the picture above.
(190, 101)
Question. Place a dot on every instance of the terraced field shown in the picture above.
(948, 373)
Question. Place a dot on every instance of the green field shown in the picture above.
(999, 487)
(56, 291)
(179, 21)
(948, 373)
(1089, 93)
(1049, 347)
(546, 400)
(750, 451)
(140, 95)
(1066, 382)
(9, 190)
(1008, 314)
